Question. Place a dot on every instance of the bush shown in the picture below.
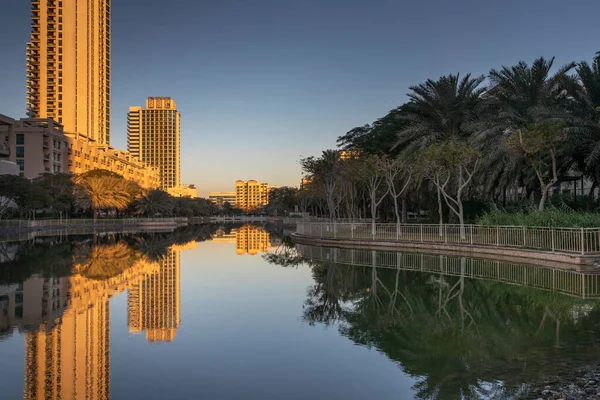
(549, 217)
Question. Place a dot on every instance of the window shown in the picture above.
(21, 164)
(20, 138)
(20, 151)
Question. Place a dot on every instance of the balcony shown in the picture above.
(46, 145)
(46, 157)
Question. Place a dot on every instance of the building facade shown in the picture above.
(40, 145)
(183, 191)
(220, 198)
(153, 136)
(68, 65)
(250, 195)
(37, 146)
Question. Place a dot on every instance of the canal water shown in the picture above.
(241, 313)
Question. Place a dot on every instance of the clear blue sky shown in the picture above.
(260, 83)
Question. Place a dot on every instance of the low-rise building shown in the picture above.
(40, 145)
(183, 191)
(220, 198)
(252, 194)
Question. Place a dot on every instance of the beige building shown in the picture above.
(37, 146)
(68, 65)
(183, 191)
(220, 198)
(40, 145)
(252, 194)
(153, 136)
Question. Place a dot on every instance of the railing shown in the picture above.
(567, 240)
(100, 222)
(580, 284)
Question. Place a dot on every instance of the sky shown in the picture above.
(263, 83)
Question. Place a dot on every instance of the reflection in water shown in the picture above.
(248, 239)
(66, 320)
(465, 328)
(153, 303)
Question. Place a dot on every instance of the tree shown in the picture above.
(539, 145)
(438, 111)
(60, 187)
(282, 200)
(397, 177)
(12, 190)
(451, 166)
(374, 178)
(154, 202)
(327, 170)
(102, 191)
(520, 98)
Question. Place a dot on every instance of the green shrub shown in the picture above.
(549, 217)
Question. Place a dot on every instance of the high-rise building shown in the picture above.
(68, 65)
(153, 135)
(250, 195)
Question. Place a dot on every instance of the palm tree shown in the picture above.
(439, 112)
(154, 201)
(584, 89)
(519, 98)
(98, 192)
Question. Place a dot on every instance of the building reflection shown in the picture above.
(153, 303)
(248, 239)
(66, 321)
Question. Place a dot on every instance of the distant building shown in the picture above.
(250, 195)
(68, 66)
(220, 198)
(348, 154)
(153, 136)
(183, 191)
(40, 145)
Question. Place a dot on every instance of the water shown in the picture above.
(206, 313)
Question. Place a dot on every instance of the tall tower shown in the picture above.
(68, 65)
(153, 136)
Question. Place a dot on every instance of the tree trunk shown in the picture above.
(440, 211)
(404, 209)
(590, 199)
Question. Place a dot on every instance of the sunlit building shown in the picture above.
(183, 191)
(251, 239)
(153, 136)
(68, 65)
(252, 194)
(40, 145)
(220, 198)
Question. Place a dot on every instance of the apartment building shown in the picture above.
(37, 146)
(252, 194)
(68, 65)
(40, 145)
(153, 136)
